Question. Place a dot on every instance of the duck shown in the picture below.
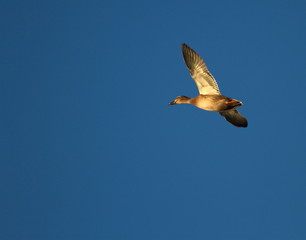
(210, 98)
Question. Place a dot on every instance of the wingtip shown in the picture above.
(244, 125)
(184, 45)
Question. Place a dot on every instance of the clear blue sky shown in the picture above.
(91, 150)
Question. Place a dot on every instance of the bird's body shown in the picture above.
(210, 98)
(214, 103)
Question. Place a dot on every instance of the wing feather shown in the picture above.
(205, 82)
(235, 118)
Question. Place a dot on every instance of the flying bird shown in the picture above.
(210, 98)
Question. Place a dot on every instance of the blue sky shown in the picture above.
(91, 150)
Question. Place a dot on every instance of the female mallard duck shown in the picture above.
(210, 98)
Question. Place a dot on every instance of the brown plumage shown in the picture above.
(210, 98)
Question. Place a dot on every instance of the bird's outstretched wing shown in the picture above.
(235, 118)
(205, 82)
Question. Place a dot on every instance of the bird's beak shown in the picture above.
(171, 103)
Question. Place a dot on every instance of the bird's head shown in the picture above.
(180, 100)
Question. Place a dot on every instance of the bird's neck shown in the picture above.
(186, 100)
